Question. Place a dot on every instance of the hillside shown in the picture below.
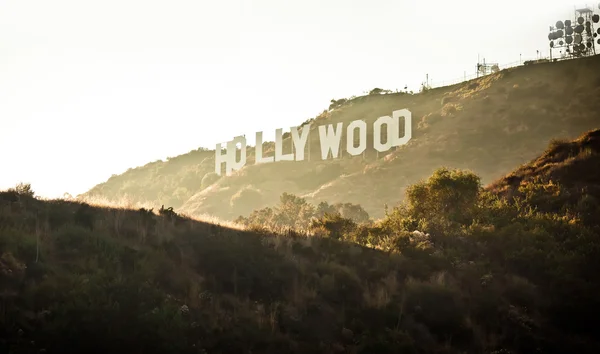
(487, 125)
(484, 275)
(568, 171)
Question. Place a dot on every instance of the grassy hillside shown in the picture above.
(161, 182)
(565, 171)
(453, 269)
(487, 125)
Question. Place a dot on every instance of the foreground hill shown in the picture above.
(485, 275)
(487, 125)
(569, 171)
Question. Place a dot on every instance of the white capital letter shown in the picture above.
(232, 152)
(407, 126)
(220, 158)
(279, 156)
(300, 141)
(259, 150)
(362, 138)
(389, 122)
(330, 140)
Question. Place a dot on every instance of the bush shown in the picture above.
(354, 212)
(448, 195)
(23, 189)
(335, 225)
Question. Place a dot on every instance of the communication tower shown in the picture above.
(485, 69)
(578, 37)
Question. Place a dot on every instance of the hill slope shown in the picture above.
(487, 125)
(568, 174)
(573, 164)
(489, 277)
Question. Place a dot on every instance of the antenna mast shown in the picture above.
(578, 36)
(485, 69)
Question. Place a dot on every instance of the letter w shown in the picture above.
(330, 140)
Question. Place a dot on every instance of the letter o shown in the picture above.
(389, 122)
(362, 131)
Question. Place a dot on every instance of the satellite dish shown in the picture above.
(560, 25)
(578, 29)
(561, 43)
(596, 18)
(580, 20)
(567, 23)
(560, 34)
(569, 31)
(569, 39)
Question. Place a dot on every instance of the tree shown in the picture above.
(324, 208)
(294, 211)
(355, 212)
(448, 195)
(337, 103)
(23, 189)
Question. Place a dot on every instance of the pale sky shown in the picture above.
(91, 88)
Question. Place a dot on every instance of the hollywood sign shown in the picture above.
(330, 138)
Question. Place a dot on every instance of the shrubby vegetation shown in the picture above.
(454, 268)
(296, 213)
(23, 189)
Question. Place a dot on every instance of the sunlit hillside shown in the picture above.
(454, 269)
(487, 125)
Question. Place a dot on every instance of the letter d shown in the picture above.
(398, 141)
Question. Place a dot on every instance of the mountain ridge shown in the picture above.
(488, 125)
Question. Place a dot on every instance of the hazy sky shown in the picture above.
(91, 88)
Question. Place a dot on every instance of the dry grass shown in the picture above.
(496, 120)
(451, 109)
(128, 203)
(211, 219)
(124, 202)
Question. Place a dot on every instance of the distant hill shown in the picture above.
(487, 125)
